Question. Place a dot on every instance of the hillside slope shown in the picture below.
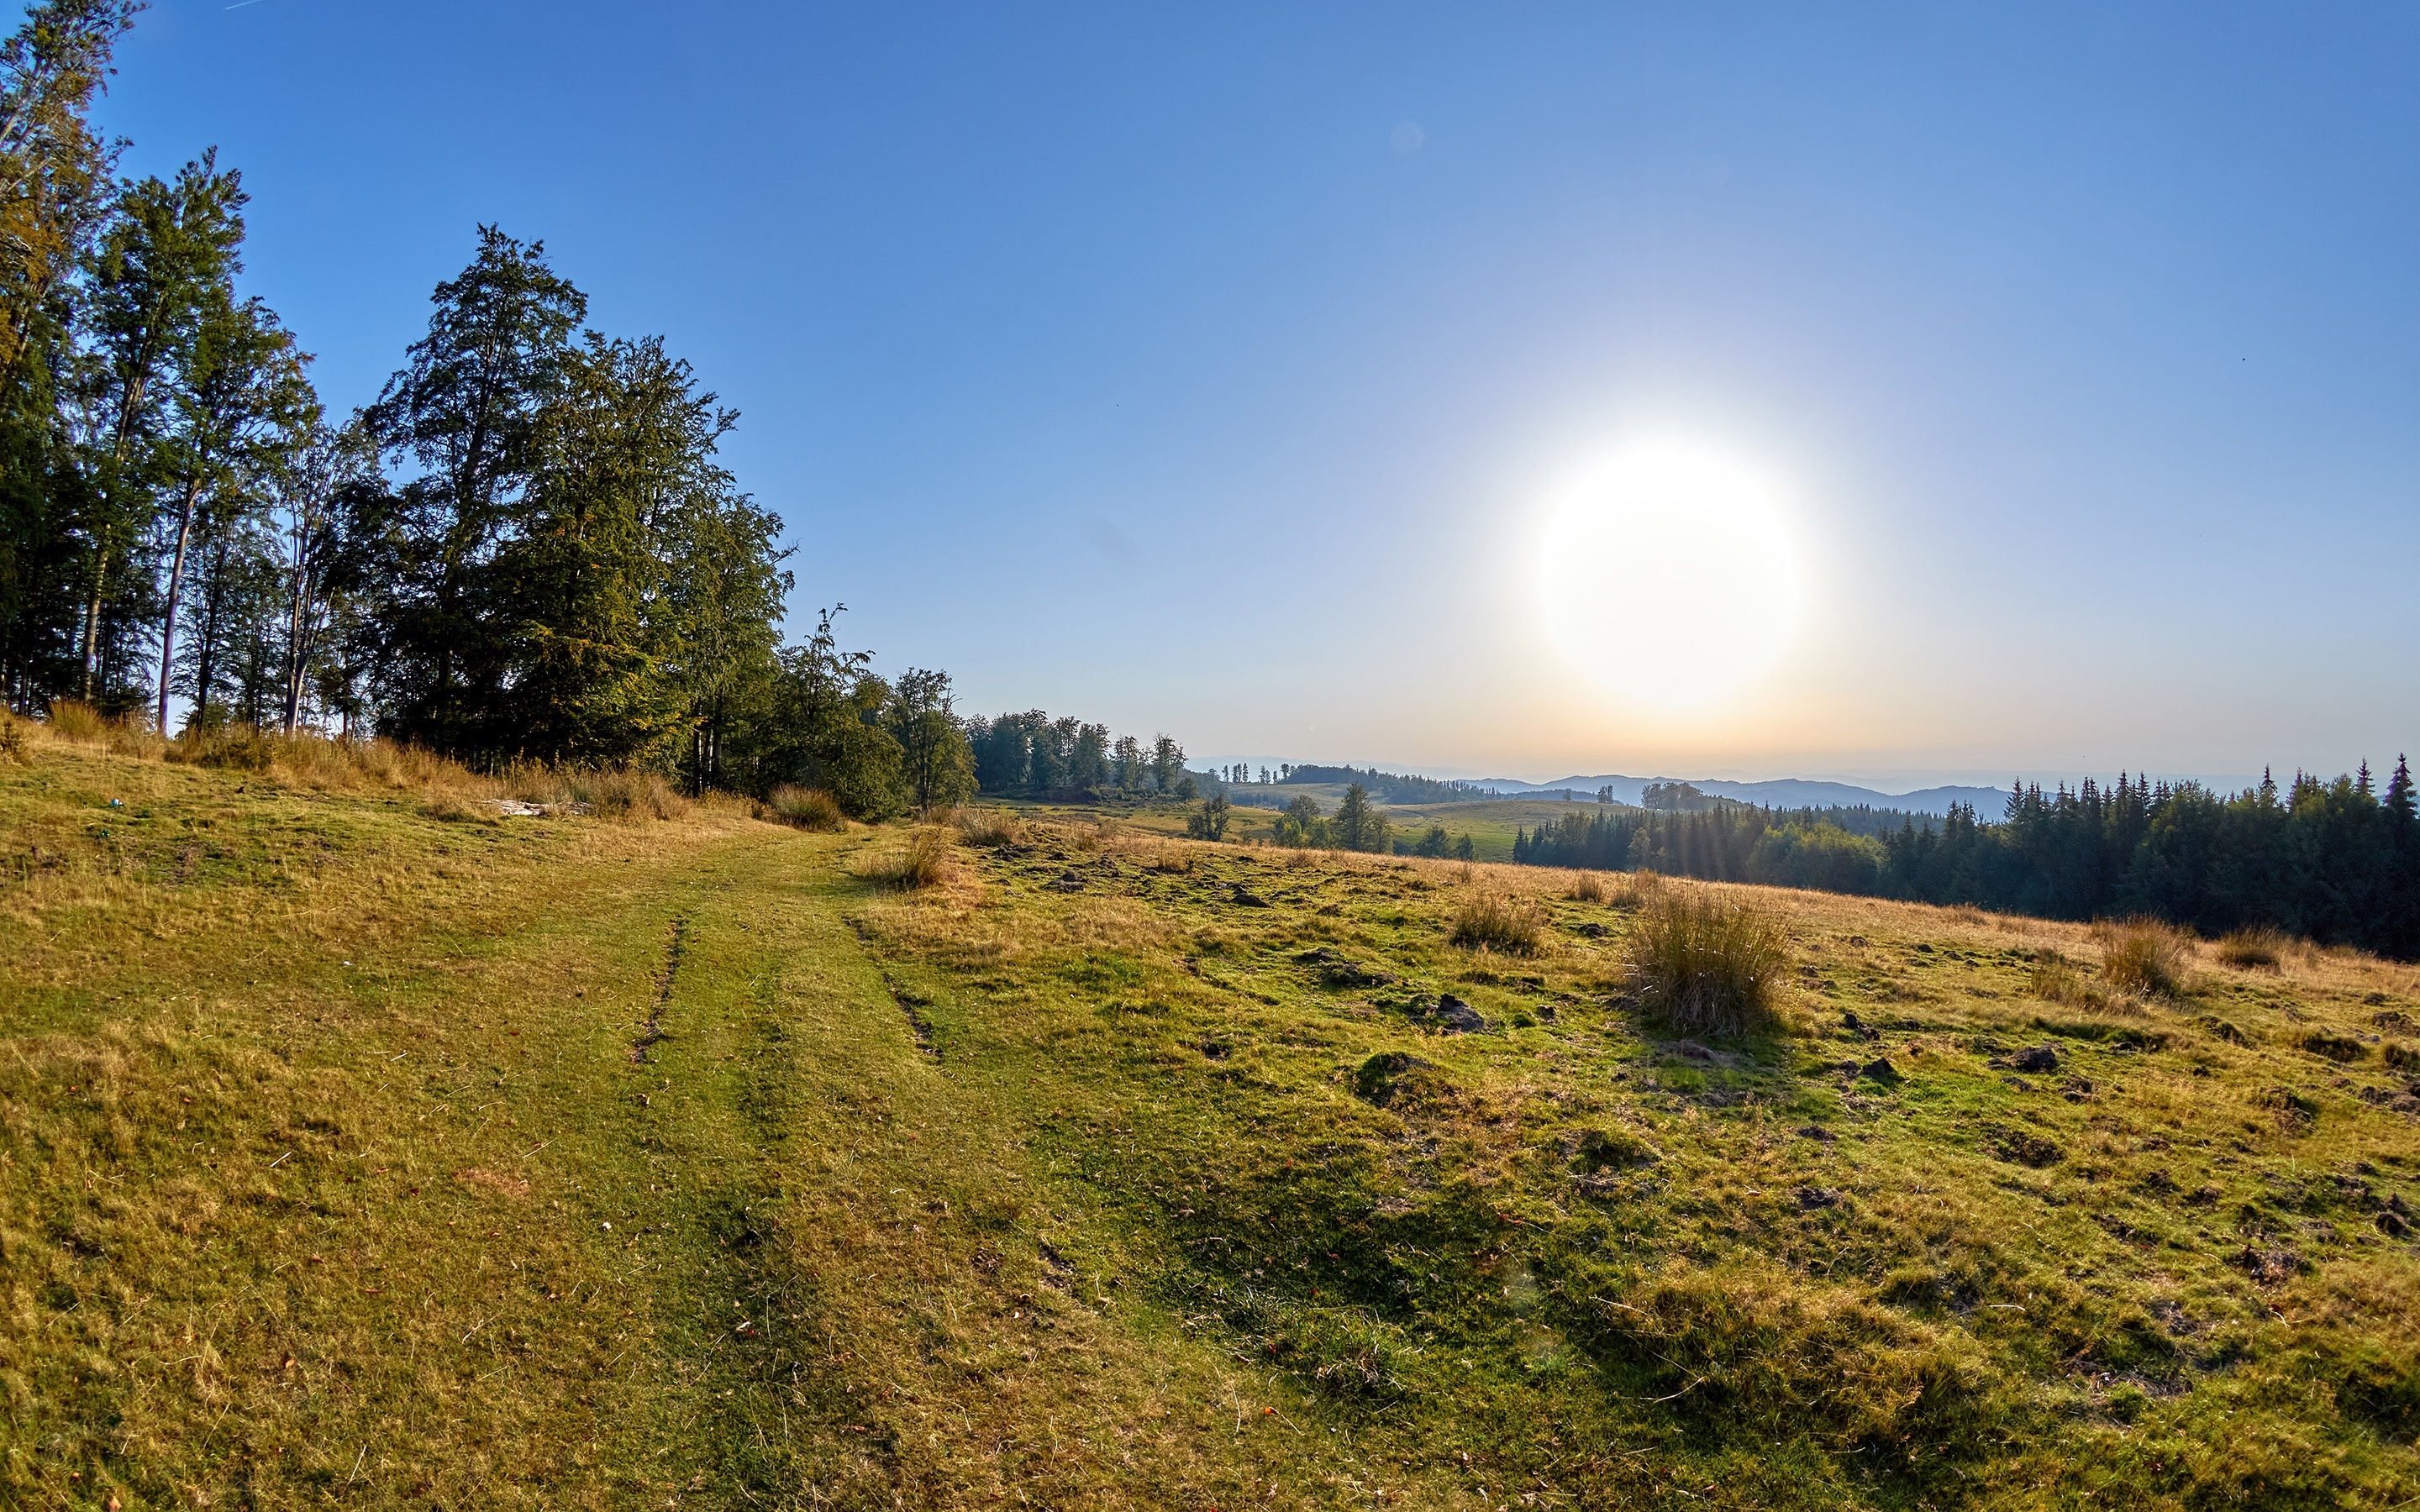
(354, 1155)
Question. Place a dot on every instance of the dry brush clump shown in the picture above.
(1499, 922)
(809, 808)
(922, 862)
(2055, 979)
(990, 829)
(1704, 965)
(2248, 948)
(2142, 956)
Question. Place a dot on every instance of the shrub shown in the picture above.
(807, 809)
(1705, 965)
(2141, 955)
(12, 739)
(1493, 922)
(2252, 948)
(921, 863)
(77, 721)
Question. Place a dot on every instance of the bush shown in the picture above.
(2249, 948)
(921, 863)
(1707, 966)
(1492, 921)
(807, 809)
(2141, 955)
(1209, 821)
(12, 739)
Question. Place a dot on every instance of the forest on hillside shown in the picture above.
(2337, 860)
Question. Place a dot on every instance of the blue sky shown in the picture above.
(1204, 369)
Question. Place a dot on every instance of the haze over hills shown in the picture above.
(1782, 792)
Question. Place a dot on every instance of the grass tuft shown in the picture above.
(989, 830)
(1586, 888)
(2142, 955)
(73, 719)
(1493, 922)
(1704, 965)
(449, 807)
(807, 809)
(2055, 979)
(922, 862)
(2249, 948)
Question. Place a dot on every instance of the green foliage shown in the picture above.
(935, 760)
(1359, 825)
(1210, 821)
(2329, 859)
(1300, 825)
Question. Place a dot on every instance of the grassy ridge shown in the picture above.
(1110, 1169)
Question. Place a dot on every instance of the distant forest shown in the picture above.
(2336, 860)
(1035, 755)
(1385, 787)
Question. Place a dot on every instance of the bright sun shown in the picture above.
(1668, 572)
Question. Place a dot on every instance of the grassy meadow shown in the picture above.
(358, 1147)
(1488, 822)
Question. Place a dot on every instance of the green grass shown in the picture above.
(1064, 1180)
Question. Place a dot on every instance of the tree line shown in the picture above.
(1032, 755)
(1388, 787)
(2337, 861)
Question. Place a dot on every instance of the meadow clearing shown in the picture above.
(360, 1147)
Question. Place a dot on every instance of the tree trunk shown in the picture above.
(297, 654)
(176, 585)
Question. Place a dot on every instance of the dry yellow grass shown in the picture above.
(1013, 1186)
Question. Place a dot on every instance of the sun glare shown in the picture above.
(1668, 572)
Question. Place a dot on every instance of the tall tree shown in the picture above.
(936, 759)
(467, 408)
(312, 482)
(55, 193)
(170, 250)
(239, 405)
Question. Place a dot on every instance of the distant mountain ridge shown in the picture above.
(1781, 793)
